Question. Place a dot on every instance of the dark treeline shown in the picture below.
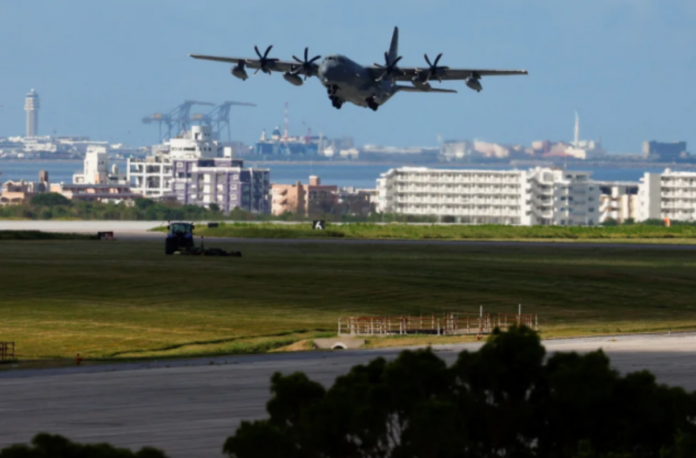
(55, 206)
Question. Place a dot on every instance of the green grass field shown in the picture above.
(637, 232)
(127, 299)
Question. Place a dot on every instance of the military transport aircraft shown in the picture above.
(348, 81)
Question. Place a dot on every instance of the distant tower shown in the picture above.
(286, 122)
(31, 106)
(577, 130)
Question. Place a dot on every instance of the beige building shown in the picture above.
(18, 192)
(619, 202)
(303, 199)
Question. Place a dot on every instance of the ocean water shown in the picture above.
(361, 176)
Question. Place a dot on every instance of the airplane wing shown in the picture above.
(432, 89)
(276, 65)
(407, 73)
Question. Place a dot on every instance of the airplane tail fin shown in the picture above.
(394, 47)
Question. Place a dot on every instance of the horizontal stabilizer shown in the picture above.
(432, 89)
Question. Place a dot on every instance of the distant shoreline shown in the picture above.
(458, 165)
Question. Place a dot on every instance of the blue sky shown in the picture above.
(627, 65)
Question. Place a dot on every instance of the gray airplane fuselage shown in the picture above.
(351, 82)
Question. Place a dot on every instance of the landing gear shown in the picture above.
(336, 102)
(372, 104)
(332, 90)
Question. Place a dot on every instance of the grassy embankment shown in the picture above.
(633, 233)
(128, 300)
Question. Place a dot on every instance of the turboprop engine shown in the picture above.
(292, 78)
(239, 71)
(474, 83)
(421, 82)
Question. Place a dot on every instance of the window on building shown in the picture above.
(591, 210)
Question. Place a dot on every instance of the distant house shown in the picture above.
(114, 193)
(18, 192)
(304, 199)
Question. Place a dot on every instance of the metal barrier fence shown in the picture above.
(447, 324)
(7, 351)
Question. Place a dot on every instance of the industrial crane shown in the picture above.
(178, 118)
(219, 118)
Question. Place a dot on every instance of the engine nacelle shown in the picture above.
(239, 71)
(421, 84)
(474, 84)
(292, 78)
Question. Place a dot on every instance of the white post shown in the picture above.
(481, 312)
(519, 311)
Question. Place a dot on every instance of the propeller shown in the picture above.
(306, 64)
(390, 68)
(434, 70)
(264, 60)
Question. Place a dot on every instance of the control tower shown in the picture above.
(31, 106)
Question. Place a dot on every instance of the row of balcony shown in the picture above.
(459, 190)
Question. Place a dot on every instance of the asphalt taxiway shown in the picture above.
(189, 407)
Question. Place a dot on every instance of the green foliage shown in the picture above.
(142, 209)
(503, 400)
(54, 446)
(144, 204)
(50, 199)
(214, 207)
(450, 232)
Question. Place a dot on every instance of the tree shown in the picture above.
(50, 199)
(53, 446)
(143, 203)
(215, 208)
(507, 399)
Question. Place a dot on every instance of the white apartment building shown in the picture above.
(469, 196)
(670, 195)
(96, 169)
(152, 176)
(538, 196)
(620, 201)
(562, 198)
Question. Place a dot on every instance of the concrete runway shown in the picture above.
(189, 407)
(138, 231)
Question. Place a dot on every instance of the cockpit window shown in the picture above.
(178, 228)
